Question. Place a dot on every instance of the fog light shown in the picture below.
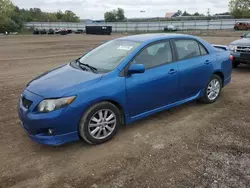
(50, 131)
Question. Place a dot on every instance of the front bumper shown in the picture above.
(52, 140)
(63, 122)
(238, 57)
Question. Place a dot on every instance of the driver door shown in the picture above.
(158, 85)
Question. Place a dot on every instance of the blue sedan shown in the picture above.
(119, 82)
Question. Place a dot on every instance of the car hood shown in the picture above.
(61, 81)
(244, 41)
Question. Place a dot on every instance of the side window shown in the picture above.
(155, 55)
(187, 48)
(203, 50)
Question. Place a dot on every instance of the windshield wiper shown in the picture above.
(93, 69)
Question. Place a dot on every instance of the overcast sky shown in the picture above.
(95, 9)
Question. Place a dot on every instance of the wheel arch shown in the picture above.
(221, 75)
(112, 101)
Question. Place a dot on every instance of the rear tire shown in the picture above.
(100, 123)
(213, 90)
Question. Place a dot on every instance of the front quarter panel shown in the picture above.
(110, 88)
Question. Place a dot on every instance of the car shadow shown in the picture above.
(242, 69)
(123, 132)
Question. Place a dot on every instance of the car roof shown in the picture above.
(154, 37)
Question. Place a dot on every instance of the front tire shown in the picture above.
(213, 90)
(100, 123)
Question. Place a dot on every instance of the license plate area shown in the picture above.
(245, 55)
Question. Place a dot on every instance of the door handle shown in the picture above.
(172, 71)
(207, 62)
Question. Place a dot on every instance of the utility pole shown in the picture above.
(208, 12)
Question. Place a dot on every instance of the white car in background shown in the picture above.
(171, 28)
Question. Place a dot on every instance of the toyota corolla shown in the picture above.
(119, 82)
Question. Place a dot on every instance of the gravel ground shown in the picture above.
(194, 145)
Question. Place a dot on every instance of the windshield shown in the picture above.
(109, 55)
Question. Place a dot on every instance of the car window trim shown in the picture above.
(201, 45)
(124, 72)
(175, 48)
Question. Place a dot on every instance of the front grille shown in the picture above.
(26, 103)
(243, 49)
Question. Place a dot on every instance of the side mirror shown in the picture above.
(136, 69)
(243, 36)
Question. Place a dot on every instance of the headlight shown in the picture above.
(232, 47)
(49, 105)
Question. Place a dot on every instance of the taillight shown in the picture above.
(231, 58)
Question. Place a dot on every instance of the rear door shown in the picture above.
(195, 66)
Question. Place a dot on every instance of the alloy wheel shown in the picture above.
(102, 124)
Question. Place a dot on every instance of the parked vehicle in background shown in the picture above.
(39, 32)
(43, 32)
(171, 28)
(57, 31)
(51, 32)
(36, 32)
(69, 31)
(240, 50)
(61, 31)
(119, 82)
(242, 26)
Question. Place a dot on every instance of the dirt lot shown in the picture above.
(194, 145)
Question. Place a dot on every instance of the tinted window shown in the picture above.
(155, 55)
(187, 49)
(203, 50)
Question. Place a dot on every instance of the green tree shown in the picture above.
(110, 16)
(239, 8)
(179, 13)
(6, 8)
(59, 15)
(120, 16)
(6, 11)
(186, 14)
(115, 16)
(12, 18)
(196, 14)
(69, 16)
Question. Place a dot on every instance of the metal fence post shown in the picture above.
(148, 26)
